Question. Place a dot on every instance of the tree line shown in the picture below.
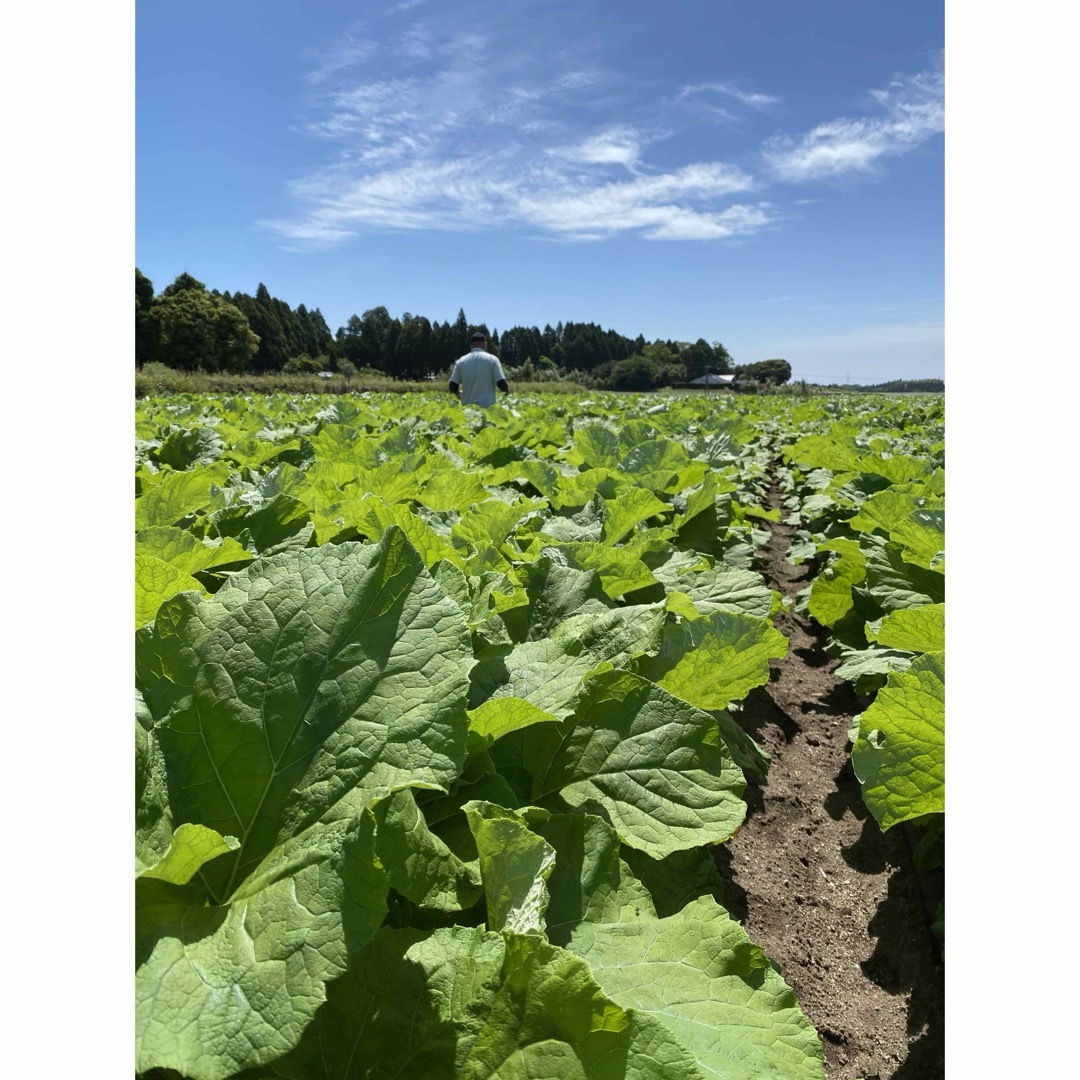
(191, 328)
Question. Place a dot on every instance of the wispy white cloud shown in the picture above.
(616, 146)
(482, 192)
(468, 136)
(728, 89)
(353, 49)
(462, 131)
(914, 110)
(405, 5)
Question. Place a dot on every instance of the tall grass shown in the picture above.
(156, 380)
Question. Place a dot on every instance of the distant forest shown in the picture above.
(188, 327)
(191, 328)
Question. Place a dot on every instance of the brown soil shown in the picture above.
(836, 903)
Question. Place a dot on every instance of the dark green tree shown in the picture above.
(183, 283)
(145, 342)
(722, 362)
(697, 358)
(776, 372)
(460, 334)
(198, 331)
(633, 373)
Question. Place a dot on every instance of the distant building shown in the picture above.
(712, 380)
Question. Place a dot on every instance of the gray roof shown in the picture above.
(713, 380)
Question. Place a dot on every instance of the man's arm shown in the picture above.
(455, 389)
(500, 378)
(502, 385)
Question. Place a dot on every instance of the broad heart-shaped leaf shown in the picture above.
(894, 582)
(651, 762)
(220, 988)
(515, 864)
(489, 523)
(585, 526)
(621, 571)
(915, 521)
(374, 516)
(830, 596)
(576, 490)
(700, 975)
(919, 629)
(186, 552)
(310, 682)
(590, 880)
(498, 716)
(465, 1004)
(181, 494)
(554, 592)
(190, 847)
(899, 756)
(417, 863)
(549, 673)
(282, 523)
(155, 582)
(719, 588)
(598, 445)
(184, 447)
(453, 490)
(631, 509)
(714, 661)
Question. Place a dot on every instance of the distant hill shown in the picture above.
(897, 386)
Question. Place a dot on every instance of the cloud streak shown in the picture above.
(467, 135)
(730, 90)
(914, 111)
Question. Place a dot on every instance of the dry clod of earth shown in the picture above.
(836, 903)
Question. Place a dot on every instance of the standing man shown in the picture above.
(476, 375)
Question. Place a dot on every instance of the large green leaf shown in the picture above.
(515, 864)
(417, 863)
(281, 523)
(895, 582)
(917, 522)
(188, 553)
(465, 1004)
(719, 588)
(219, 988)
(190, 847)
(621, 571)
(899, 755)
(155, 582)
(919, 629)
(554, 593)
(700, 975)
(830, 596)
(590, 881)
(623, 514)
(712, 662)
(374, 517)
(181, 494)
(308, 683)
(549, 673)
(650, 761)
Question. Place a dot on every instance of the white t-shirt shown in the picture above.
(476, 374)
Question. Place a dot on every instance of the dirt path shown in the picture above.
(833, 901)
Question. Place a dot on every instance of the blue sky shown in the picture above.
(765, 175)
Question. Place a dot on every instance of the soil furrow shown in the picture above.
(835, 902)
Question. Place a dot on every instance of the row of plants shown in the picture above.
(865, 484)
(436, 724)
(437, 720)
